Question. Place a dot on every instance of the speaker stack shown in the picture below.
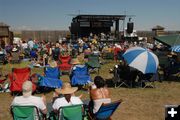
(130, 26)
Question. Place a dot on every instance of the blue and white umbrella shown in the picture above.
(141, 59)
(176, 48)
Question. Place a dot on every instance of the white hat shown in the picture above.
(27, 88)
(14, 49)
(66, 89)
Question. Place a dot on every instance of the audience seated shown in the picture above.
(98, 94)
(28, 99)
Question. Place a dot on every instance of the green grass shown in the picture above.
(138, 103)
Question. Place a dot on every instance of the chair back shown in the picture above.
(81, 70)
(65, 59)
(65, 63)
(106, 110)
(49, 82)
(18, 77)
(73, 112)
(25, 113)
(52, 72)
(80, 76)
(93, 61)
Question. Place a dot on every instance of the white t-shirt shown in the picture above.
(31, 100)
(60, 102)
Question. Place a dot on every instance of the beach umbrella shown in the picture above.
(176, 48)
(142, 59)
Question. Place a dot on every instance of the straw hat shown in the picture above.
(52, 63)
(27, 88)
(75, 61)
(66, 89)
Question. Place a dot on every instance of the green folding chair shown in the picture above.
(25, 113)
(93, 62)
(74, 112)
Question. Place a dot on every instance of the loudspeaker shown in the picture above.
(130, 26)
(75, 27)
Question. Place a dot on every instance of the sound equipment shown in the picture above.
(130, 26)
(75, 27)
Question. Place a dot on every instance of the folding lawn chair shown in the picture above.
(122, 76)
(118, 82)
(65, 66)
(74, 112)
(105, 111)
(148, 80)
(52, 72)
(93, 62)
(25, 113)
(80, 76)
(15, 57)
(51, 78)
(18, 77)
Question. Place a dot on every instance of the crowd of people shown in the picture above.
(41, 53)
(64, 97)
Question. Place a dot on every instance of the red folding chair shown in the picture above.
(18, 77)
(65, 66)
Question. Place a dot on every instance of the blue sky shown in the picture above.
(55, 14)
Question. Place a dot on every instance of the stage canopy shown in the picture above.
(169, 40)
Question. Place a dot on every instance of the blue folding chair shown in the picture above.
(52, 72)
(80, 76)
(105, 111)
(51, 78)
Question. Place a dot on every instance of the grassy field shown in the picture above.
(138, 103)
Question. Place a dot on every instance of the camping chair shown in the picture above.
(52, 72)
(25, 113)
(123, 75)
(117, 79)
(15, 57)
(18, 77)
(93, 62)
(74, 112)
(108, 55)
(105, 111)
(51, 78)
(80, 76)
(148, 80)
(65, 66)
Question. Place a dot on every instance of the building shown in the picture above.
(158, 30)
(6, 36)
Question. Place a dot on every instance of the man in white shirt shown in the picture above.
(28, 99)
(68, 99)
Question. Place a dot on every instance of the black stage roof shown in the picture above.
(98, 17)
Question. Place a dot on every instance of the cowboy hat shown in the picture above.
(52, 63)
(66, 89)
(75, 61)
